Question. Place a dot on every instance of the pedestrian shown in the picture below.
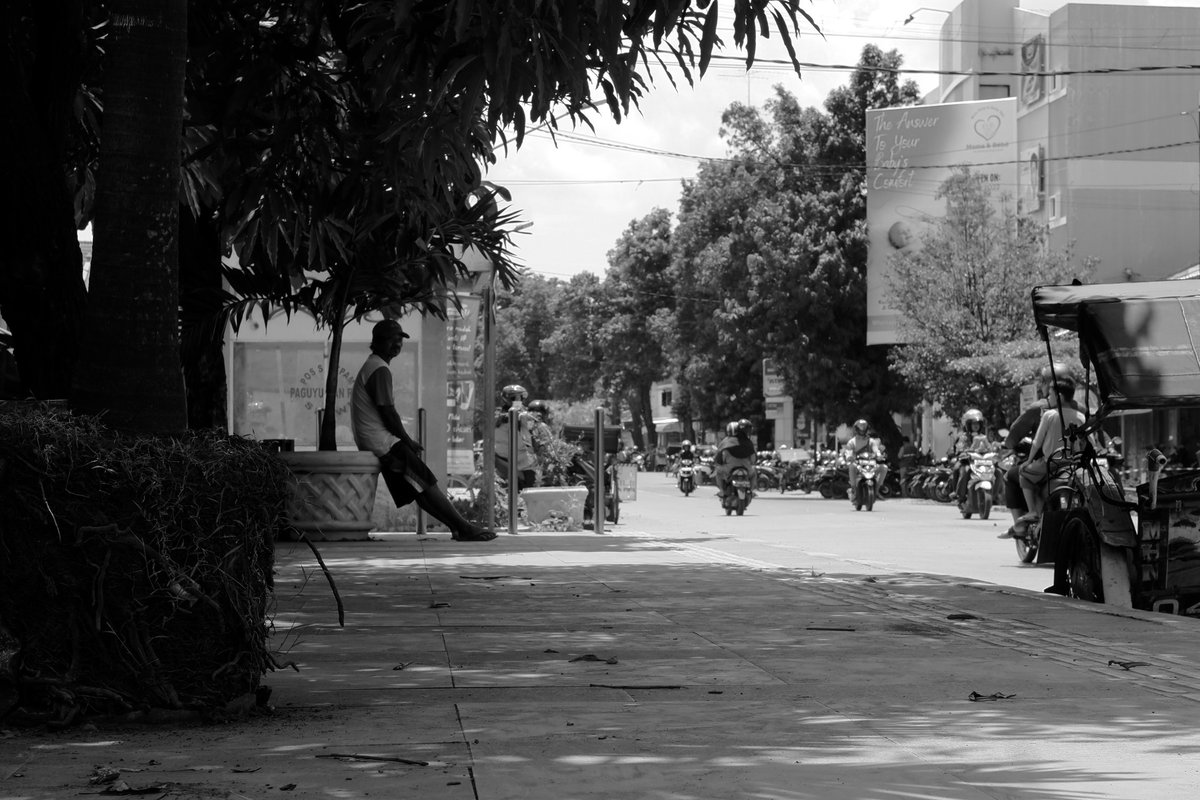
(378, 428)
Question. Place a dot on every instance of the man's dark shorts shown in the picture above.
(405, 474)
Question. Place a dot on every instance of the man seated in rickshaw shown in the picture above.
(1049, 444)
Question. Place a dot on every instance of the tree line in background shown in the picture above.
(767, 259)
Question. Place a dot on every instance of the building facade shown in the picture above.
(1107, 122)
(1108, 125)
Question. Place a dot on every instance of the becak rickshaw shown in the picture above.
(1141, 342)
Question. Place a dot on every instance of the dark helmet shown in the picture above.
(540, 407)
(743, 426)
(513, 392)
(972, 415)
(861, 427)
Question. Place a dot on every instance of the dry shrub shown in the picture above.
(135, 572)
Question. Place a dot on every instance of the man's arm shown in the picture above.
(379, 386)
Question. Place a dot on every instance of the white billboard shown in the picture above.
(910, 152)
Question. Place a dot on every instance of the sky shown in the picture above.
(581, 195)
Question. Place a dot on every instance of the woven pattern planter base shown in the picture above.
(333, 494)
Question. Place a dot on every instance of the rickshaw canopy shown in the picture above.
(1140, 338)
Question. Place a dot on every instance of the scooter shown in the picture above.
(686, 476)
(864, 490)
(980, 481)
(833, 480)
(737, 491)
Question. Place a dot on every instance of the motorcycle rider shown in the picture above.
(863, 443)
(972, 438)
(735, 450)
(513, 396)
(687, 452)
(1023, 428)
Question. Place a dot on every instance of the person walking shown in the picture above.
(378, 428)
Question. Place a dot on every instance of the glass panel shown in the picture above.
(277, 389)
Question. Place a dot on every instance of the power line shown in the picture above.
(1148, 68)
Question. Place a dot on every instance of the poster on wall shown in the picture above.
(910, 152)
(460, 387)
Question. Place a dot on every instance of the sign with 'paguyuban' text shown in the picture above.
(910, 151)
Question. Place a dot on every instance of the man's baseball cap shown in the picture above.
(387, 327)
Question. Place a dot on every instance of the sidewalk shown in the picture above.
(552, 666)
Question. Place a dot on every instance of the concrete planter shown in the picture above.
(568, 500)
(333, 494)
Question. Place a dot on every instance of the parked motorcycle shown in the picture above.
(865, 489)
(940, 483)
(768, 473)
(797, 475)
(890, 487)
(685, 475)
(833, 480)
(981, 481)
(737, 491)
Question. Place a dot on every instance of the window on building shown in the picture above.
(666, 398)
(993, 91)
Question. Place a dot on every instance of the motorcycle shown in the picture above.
(768, 474)
(686, 476)
(704, 469)
(939, 485)
(833, 480)
(865, 489)
(891, 485)
(796, 475)
(737, 491)
(980, 482)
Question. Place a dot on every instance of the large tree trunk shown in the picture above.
(203, 347)
(129, 366)
(42, 294)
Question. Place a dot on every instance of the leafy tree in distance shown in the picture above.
(771, 254)
(963, 296)
(640, 295)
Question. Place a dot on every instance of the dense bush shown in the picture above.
(135, 572)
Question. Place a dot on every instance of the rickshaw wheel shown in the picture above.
(1026, 551)
(1083, 562)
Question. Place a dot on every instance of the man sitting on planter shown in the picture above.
(377, 427)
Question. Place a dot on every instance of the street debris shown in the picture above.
(593, 657)
(1128, 665)
(961, 616)
(367, 757)
(975, 697)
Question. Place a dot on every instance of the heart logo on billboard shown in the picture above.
(986, 127)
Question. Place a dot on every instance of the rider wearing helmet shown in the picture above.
(513, 396)
(863, 443)
(540, 433)
(1022, 429)
(735, 450)
(686, 453)
(972, 438)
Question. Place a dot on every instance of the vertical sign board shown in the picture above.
(910, 152)
(460, 387)
(772, 380)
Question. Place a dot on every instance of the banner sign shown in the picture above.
(460, 387)
(911, 151)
